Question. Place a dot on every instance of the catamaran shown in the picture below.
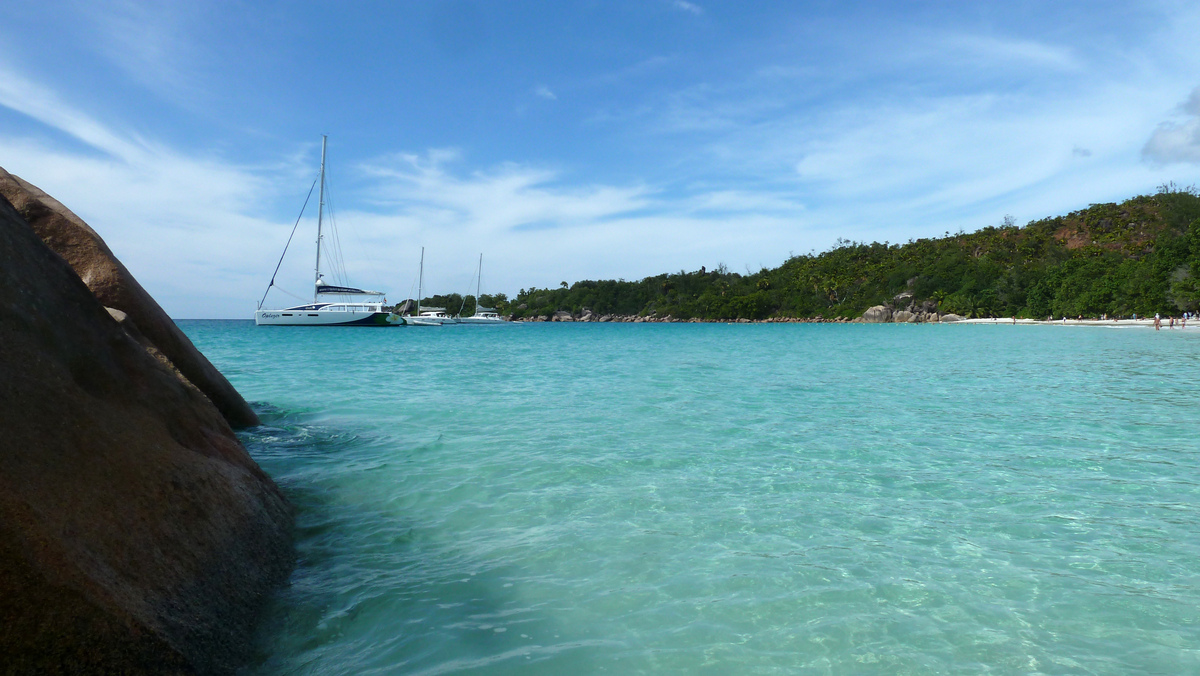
(483, 315)
(333, 305)
(429, 316)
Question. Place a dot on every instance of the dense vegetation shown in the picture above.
(457, 304)
(1141, 256)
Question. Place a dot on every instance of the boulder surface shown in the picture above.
(877, 314)
(137, 536)
(115, 287)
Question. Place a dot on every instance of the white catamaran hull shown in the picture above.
(319, 317)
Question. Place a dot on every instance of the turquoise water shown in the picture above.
(714, 499)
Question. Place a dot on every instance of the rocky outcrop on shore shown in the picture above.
(878, 314)
(137, 536)
(588, 316)
(112, 284)
(882, 314)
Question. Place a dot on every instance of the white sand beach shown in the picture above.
(1140, 322)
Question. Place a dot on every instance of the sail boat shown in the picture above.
(483, 315)
(430, 316)
(332, 305)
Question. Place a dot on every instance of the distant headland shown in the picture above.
(1139, 257)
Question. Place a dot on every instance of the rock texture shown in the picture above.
(136, 534)
(916, 314)
(878, 314)
(95, 264)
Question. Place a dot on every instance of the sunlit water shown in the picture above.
(747, 499)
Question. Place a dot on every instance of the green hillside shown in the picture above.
(1141, 256)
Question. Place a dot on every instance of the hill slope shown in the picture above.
(1141, 256)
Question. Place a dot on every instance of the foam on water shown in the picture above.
(750, 499)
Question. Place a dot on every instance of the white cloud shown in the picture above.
(997, 51)
(536, 228)
(156, 44)
(1177, 142)
(737, 165)
(915, 136)
(188, 228)
(29, 98)
(947, 162)
(197, 234)
(687, 7)
(744, 202)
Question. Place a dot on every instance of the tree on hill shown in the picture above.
(1140, 256)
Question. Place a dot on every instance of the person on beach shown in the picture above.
(1157, 322)
(1172, 324)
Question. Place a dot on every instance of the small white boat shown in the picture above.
(430, 316)
(332, 305)
(483, 315)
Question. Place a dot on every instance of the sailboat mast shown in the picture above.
(420, 281)
(320, 215)
(478, 283)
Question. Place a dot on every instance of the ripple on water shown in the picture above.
(729, 499)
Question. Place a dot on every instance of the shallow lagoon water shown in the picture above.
(749, 499)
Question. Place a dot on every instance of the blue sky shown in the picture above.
(578, 140)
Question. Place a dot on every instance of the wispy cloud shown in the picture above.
(687, 7)
(945, 139)
(782, 138)
(25, 96)
(503, 198)
(173, 218)
(929, 159)
(196, 233)
(154, 44)
(995, 51)
(537, 227)
(1177, 142)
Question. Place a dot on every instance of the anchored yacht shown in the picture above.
(428, 316)
(483, 315)
(332, 305)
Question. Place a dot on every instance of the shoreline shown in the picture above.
(1101, 323)
(990, 321)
